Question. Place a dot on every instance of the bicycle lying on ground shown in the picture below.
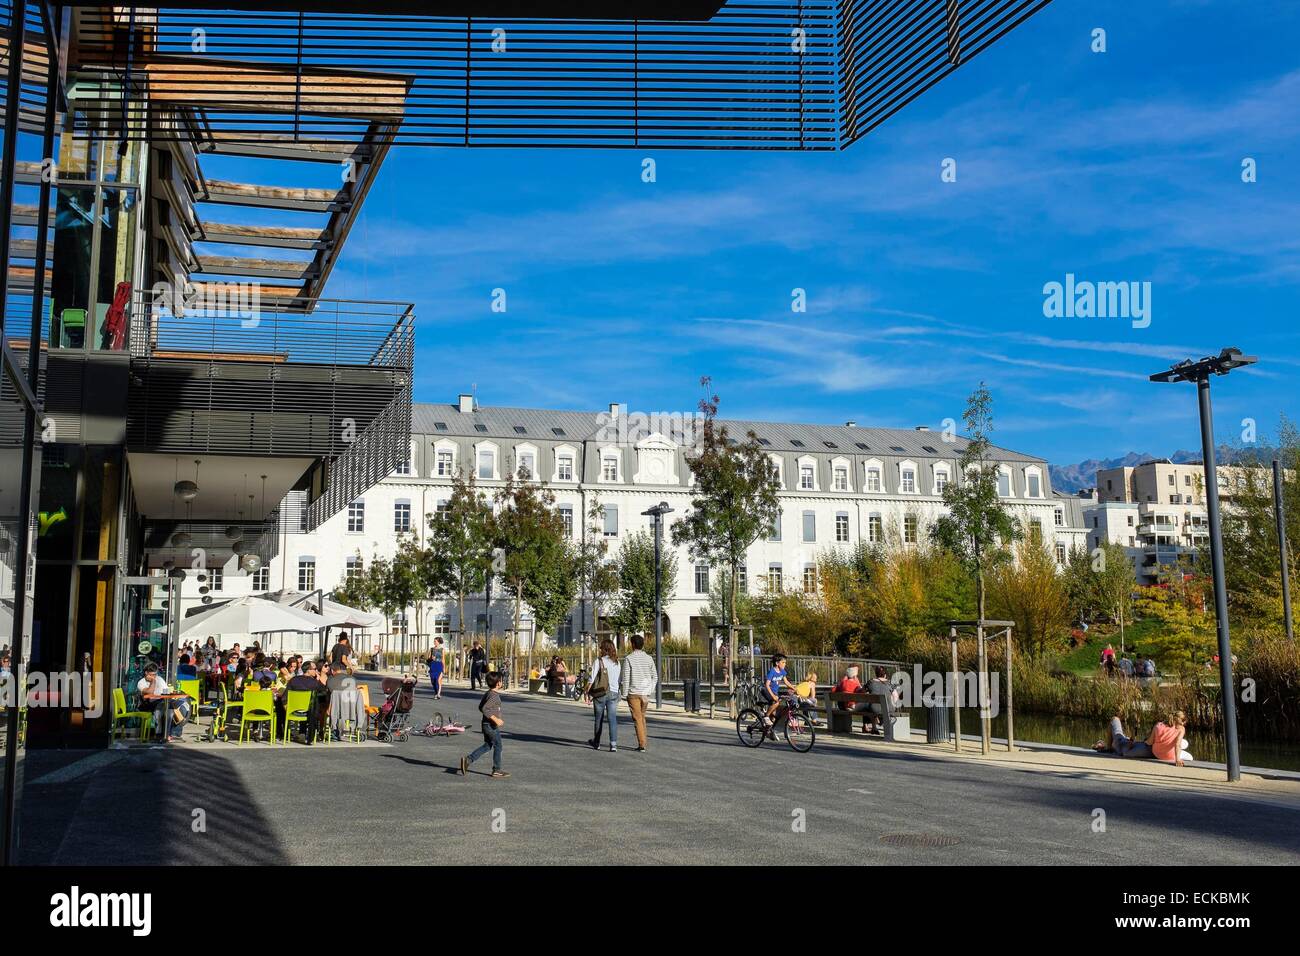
(752, 726)
(439, 726)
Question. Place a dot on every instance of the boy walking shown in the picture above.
(490, 708)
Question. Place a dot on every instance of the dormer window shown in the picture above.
(806, 475)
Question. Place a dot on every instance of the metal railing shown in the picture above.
(251, 328)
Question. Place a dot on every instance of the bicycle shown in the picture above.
(753, 728)
(749, 694)
(438, 726)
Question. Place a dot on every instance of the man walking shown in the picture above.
(637, 682)
(477, 664)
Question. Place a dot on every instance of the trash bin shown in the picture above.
(691, 694)
(936, 720)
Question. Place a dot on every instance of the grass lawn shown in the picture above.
(1085, 659)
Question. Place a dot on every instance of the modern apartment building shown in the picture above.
(840, 485)
(1156, 510)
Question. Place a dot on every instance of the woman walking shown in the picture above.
(603, 694)
(435, 663)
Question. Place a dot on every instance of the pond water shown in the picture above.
(1080, 732)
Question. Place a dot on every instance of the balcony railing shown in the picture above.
(245, 328)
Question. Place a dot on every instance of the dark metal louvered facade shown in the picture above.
(892, 51)
(333, 384)
(757, 74)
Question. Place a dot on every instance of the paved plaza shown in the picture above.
(696, 797)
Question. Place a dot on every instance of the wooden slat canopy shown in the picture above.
(247, 87)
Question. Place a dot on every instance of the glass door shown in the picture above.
(148, 628)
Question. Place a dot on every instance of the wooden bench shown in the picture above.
(896, 724)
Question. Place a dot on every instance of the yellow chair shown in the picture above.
(372, 713)
(259, 708)
(224, 706)
(192, 688)
(121, 714)
(296, 705)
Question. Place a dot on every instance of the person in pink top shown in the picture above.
(1165, 742)
(1166, 738)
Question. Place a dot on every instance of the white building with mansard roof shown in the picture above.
(840, 485)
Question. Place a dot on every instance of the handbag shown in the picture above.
(600, 684)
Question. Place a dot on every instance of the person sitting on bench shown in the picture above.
(880, 684)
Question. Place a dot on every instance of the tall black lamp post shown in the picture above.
(658, 512)
(1199, 373)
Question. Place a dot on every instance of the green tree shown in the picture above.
(538, 567)
(412, 576)
(634, 568)
(1251, 559)
(597, 574)
(460, 545)
(1185, 634)
(1099, 585)
(977, 527)
(1031, 592)
(734, 499)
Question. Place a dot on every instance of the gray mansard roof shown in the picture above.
(539, 424)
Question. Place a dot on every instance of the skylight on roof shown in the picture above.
(521, 430)
(440, 426)
(558, 431)
(764, 441)
(863, 445)
(830, 444)
(480, 427)
(931, 450)
(796, 442)
(898, 448)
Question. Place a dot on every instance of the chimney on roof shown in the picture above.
(466, 403)
(923, 428)
(613, 409)
(850, 424)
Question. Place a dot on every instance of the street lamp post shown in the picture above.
(1280, 514)
(1199, 373)
(657, 513)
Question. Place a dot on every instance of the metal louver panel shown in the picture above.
(892, 51)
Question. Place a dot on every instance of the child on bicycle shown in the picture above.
(776, 684)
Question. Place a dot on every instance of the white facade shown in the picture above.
(840, 485)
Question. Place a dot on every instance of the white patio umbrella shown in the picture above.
(341, 614)
(251, 615)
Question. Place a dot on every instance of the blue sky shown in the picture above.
(1122, 166)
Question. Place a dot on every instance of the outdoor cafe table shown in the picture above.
(167, 711)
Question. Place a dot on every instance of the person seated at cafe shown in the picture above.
(309, 680)
(152, 689)
(186, 670)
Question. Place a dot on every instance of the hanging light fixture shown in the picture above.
(234, 532)
(187, 490)
(180, 539)
(251, 562)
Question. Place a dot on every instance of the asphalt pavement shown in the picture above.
(696, 797)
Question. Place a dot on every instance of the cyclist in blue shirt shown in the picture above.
(775, 683)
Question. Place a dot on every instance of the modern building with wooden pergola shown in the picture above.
(172, 370)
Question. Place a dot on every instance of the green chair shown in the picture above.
(224, 706)
(297, 704)
(72, 320)
(121, 714)
(259, 708)
(192, 688)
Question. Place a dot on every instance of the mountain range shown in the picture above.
(1076, 477)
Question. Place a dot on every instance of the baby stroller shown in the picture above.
(392, 722)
